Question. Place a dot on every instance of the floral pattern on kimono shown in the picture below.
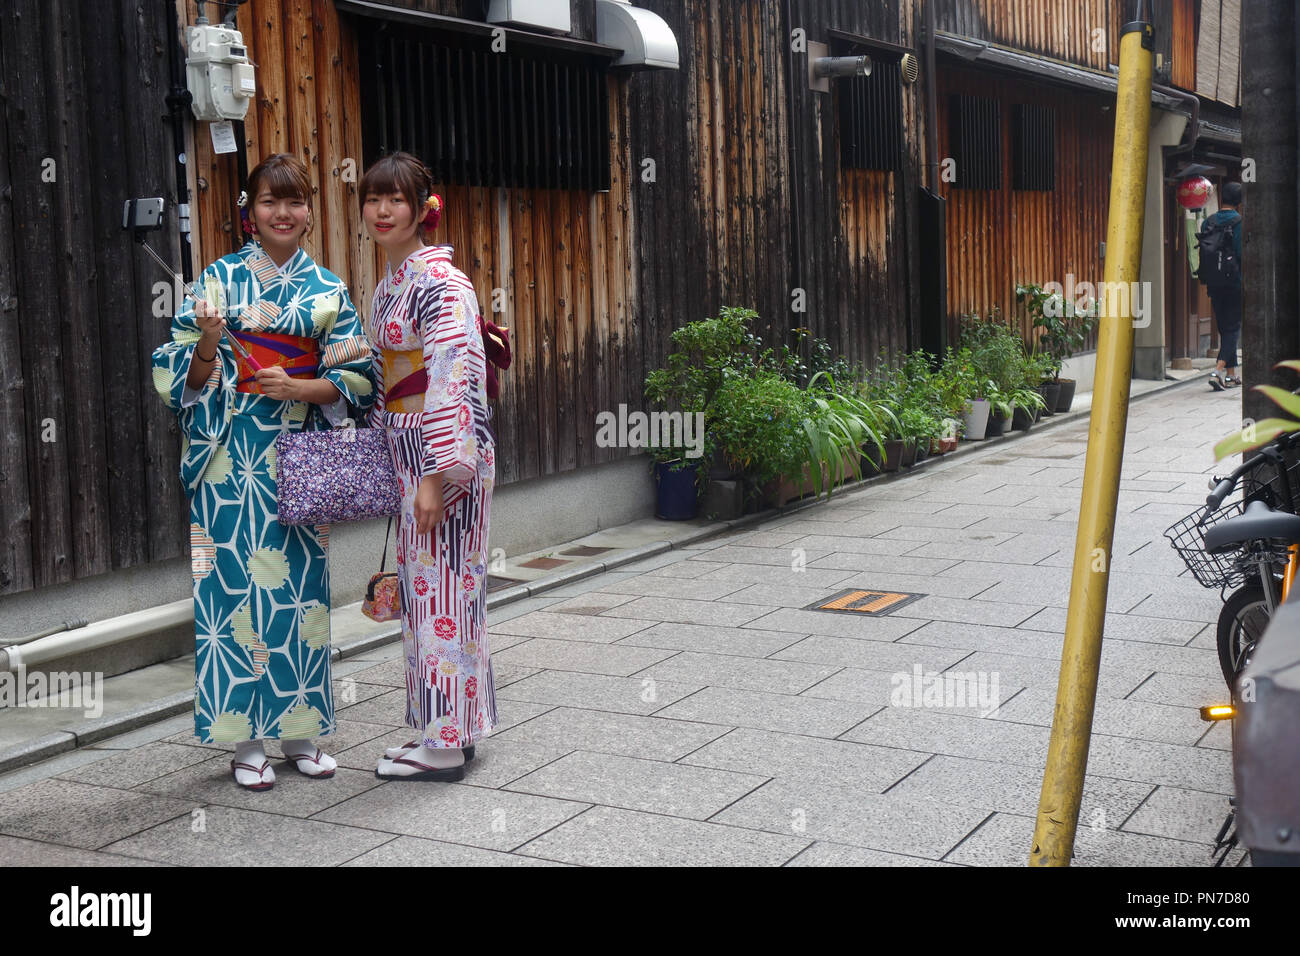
(429, 306)
(261, 589)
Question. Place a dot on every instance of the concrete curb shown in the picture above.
(51, 745)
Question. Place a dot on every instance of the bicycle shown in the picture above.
(1251, 546)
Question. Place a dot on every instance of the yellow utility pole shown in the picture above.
(1076, 693)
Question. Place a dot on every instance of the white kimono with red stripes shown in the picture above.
(428, 304)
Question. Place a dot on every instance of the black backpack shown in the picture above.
(1219, 268)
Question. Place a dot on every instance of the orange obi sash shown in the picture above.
(298, 355)
(404, 381)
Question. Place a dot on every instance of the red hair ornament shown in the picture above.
(432, 211)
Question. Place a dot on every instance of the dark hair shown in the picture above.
(1232, 194)
(400, 173)
(284, 174)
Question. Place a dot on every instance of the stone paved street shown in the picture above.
(689, 710)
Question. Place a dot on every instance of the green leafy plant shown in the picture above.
(839, 427)
(956, 383)
(704, 355)
(1260, 433)
(758, 424)
(1064, 326)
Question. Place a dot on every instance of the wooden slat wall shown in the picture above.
(582, 13)
(88, 455)
(748, 202)
(560, 256)
(308, 104)
(1061, 29)
(1184, 44)
(998, 238)
(719, 229)
(751, 203)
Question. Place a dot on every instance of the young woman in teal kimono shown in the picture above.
(261, 589)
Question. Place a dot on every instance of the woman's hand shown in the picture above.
(276, 383)
(211, 324)
(428, 504)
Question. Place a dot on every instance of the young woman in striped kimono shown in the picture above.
(261, 590)
(433, 405)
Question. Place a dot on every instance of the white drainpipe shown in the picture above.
(98, 634)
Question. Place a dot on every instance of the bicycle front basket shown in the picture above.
(1210, 570)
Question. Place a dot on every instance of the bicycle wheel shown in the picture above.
(1241, 624)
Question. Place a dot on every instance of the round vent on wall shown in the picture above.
(909, 68)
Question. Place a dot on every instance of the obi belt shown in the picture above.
(298, 355)
(404, 381)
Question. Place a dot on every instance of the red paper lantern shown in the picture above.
(1194, 192)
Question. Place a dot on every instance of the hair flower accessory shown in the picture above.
(432, 211)
(245, 224)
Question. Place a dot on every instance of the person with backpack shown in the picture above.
(1219, 242)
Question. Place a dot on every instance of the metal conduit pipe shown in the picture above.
(1193, 126)
(114, 630)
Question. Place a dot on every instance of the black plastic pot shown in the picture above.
(1067, 394)
(893, 455)
(997, 424)
(1023, 419)
(909, 453)
(1051, 392)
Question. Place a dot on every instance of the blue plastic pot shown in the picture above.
(677, 498)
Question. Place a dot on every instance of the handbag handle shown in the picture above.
(384, 557)
(370, 589)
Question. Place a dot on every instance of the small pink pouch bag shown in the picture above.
(383, 599)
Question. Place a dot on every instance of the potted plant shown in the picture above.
(703, 355)
(1001, 408)
(885, 389)
(957, 393)
(677, 483)
(839, 427)
(1064, 327)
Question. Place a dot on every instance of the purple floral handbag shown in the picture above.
(343, 474)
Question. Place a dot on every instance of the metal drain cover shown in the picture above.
(864, 601)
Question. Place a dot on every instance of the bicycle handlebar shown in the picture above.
(1221, 491)
(1224, 487)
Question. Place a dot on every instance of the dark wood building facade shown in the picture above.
(595, 208)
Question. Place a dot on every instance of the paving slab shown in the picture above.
(1005, 839)
(81, 815)
(632, 783)
(230, 836)
(607, 836)
(453, 813)
(918, 827)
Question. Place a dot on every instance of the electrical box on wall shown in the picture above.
(551, 15)
(219, 73)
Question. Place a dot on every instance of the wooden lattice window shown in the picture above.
(975, 141)
(479, 118)
(871, 118)
(1033, 147)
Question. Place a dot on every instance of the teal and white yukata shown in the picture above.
(261, 589)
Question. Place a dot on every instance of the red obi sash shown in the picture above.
(298, 355)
